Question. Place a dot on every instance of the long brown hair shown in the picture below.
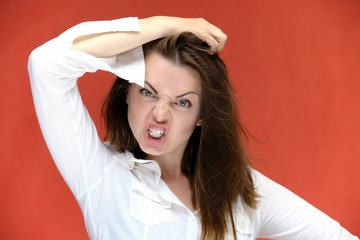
(214, 160)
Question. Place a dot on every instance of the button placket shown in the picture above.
(192, 226)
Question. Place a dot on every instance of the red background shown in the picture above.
(295, 65)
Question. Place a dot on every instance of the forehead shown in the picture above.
(170, 77)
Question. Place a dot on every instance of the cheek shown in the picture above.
(130, 116)
(134, 114)
(189, 119)
(187, 124)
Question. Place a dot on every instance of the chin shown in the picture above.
(151, 151)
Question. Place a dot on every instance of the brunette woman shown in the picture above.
(175, 167)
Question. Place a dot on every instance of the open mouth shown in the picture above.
(155, 133)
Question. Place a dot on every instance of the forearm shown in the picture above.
(284, 215)
(112, 43)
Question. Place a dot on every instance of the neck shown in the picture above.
(172, 175)
(170, 166)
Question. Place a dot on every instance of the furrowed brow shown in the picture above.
(152, 88)
(187, 93)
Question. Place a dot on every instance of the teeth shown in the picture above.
(156, 133)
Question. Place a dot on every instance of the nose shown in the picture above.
(161, 110)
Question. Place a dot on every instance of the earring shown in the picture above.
(199, 122)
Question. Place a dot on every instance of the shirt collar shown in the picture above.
(148, 174)
(146, 171)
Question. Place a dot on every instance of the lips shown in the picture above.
(155, 135)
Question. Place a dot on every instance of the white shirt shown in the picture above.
(122, 197)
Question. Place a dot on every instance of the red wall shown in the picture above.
(295, 64)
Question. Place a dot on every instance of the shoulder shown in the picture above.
(265, 186)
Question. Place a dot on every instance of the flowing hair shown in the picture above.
(214, 160)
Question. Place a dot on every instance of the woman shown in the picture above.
(175, 167)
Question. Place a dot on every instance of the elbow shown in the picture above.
(38, 62)
(34, 61)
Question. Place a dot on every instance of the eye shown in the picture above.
(146, 93)
(183, 103)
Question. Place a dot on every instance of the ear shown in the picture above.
(126, 100)
(199, 123)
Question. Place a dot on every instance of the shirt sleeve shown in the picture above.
(69, 132)
(282, 215)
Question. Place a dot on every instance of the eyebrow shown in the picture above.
(151, 86)
(179, 96)
(187, 93)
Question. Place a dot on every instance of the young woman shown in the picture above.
(175, 167)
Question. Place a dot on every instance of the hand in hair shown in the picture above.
(112, 43)
(206, 31)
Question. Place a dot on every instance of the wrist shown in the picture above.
(162, 26)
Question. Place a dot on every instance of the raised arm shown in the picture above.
(54, 68)
(113, 43)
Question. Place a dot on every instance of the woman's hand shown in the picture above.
(206, 31)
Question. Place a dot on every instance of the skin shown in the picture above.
(169, 101)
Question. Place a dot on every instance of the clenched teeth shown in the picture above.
(156, 133)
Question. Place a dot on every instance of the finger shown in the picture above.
(218, 36)
(210, 34)
(218, 43)
(213, 44)
(221, 42)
